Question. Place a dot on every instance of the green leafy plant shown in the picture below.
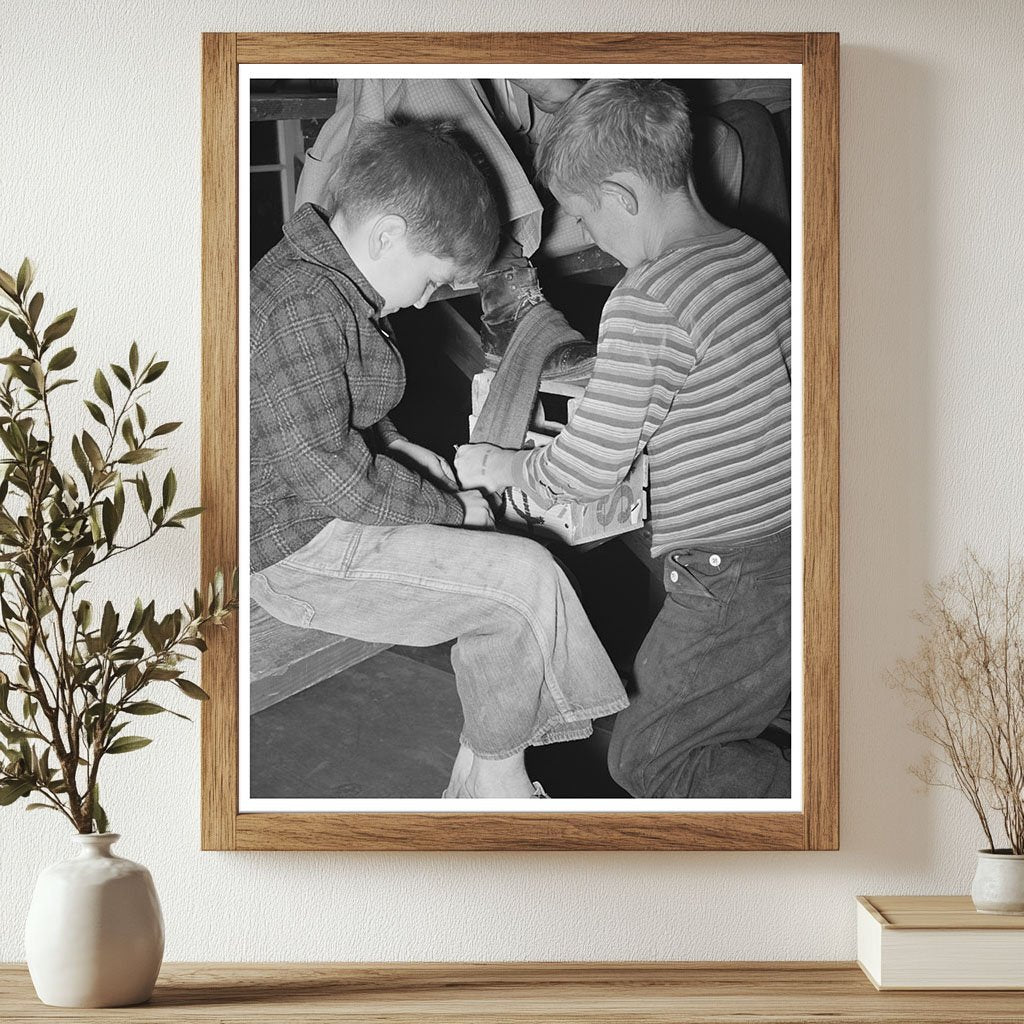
(967, 681)
(75, 675)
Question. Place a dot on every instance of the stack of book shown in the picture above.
(938, 942)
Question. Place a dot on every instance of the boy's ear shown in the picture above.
(622, 194)
(384, 233)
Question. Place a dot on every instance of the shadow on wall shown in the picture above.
(888, 274)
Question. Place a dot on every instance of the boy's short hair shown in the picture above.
(614, 125)
(421, 173)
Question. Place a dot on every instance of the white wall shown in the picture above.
(100, 183)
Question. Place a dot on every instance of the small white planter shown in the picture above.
(95, 934)
(999, 883)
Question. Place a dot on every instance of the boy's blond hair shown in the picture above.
(617, 124)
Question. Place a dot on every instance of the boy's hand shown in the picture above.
(433, 466)
(477, 511)
(484, 466)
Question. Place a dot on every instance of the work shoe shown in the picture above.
(506, 294)
(570, 364)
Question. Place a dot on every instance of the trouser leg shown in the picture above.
(528, 666)
(508, 409)
(712, 674)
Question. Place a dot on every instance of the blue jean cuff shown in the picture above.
(561, 729)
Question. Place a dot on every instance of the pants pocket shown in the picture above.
(693, 582)
(775, 576)
(284, 607)
(329, 553)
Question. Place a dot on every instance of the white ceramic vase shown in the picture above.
(999, 882)
(95, 934)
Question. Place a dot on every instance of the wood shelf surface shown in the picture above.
(638, 993)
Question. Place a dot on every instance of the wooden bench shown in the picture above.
(285, 660)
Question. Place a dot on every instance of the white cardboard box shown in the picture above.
(570, 522)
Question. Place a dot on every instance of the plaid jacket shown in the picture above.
(323, 374)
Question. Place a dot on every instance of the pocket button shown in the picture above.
(674, 576)
(715, 561)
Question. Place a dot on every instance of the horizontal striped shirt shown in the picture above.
(693, 364)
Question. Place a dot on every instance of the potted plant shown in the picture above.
(967, 679)
(77, 672)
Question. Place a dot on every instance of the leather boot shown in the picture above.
(506, 294)
(570, 364)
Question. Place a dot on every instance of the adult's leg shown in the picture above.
(712, 674)
(527, 663)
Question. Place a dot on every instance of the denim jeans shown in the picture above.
(528, 666)
(711, 675)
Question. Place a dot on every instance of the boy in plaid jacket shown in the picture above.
(359, 532)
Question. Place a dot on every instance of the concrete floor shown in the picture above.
(389, 727)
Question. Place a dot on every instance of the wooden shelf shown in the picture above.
(660, 993)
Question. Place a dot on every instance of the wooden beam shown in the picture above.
(583, 262)
(459, 342)
(291, 106)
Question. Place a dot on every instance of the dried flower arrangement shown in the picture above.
(967, 679)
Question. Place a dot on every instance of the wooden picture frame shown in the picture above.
(816, 825)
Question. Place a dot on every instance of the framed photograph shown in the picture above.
(520, 419)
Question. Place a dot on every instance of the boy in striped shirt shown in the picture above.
(693, 364)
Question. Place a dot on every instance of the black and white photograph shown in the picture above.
(520, 467)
